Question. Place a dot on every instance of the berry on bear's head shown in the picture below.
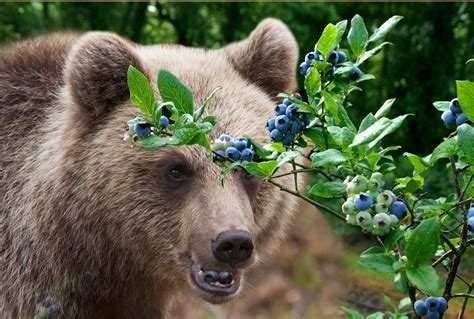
(333, 57)
(282, 123)
(454, 106)
(449, 119)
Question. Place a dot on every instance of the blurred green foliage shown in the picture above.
(432, 43)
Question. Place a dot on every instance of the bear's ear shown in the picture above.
(267, 57)
(96, 73)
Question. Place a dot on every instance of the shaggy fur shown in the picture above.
(98, 225)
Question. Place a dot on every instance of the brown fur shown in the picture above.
(96, 224)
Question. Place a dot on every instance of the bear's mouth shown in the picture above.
(215, 290)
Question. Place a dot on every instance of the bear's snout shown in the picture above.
(233, 247)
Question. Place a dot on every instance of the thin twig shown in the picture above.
(442, 257)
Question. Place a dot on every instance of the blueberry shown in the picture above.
(399, 209)
(232, 153)
(394, 220)
(164, 122)
(240, 144)
(333, 57)
(341, 57)
(282, 122)
(210, 277)
(304, 117)
(363, 201)
(271, 124)
(348, 207)
(225, 138)
(461, 119)
(432, 314)
(276, 135)
(127, 137)
(288, 138)
(292, 112)
(142, 130)
(385, 198)
(449, 119)
(420, 308)
(376, 181)
(432, 303)
(303, 68)
(225, 278)
(221, 156)
(443, 304)
(53, 312)
(364, 219)
(355, 74)
(309, 57)
(381, 208)
(358, 184)
(218, 145)
(470, 212)
(470, 224)
(455, 107)
(296, 96)
(383, 222)
(286, 102)
(309, 70)
(280, 109)
(296, 126)
(247, 155)
(351, 219)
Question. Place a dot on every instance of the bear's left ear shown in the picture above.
(268, 57)
(96, 73)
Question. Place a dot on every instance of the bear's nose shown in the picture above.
(232, 247)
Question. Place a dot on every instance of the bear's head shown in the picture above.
(163, 216)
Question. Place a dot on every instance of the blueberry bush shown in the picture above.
(418, 239)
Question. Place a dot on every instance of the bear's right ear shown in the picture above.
(96, 73)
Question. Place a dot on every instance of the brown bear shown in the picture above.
(110, 231)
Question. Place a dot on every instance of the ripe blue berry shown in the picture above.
(420, 308)
(296, 126)
(286, 102)
(288, 138)
(276, 135)
(296, 96)
(210, 277)
(432, 314)
(355, 74)
(225, 138)
(142, 130)
(333, 57)
(432, 303)
(221, 155)
(303, 68)
(280, 109)
(164, 122)
(309, 57)
(341, 57)
(309, 70)
(271, 124)
(232, 153)
(247, 155)
(470, 212)
(455, 107)
(292, 112)
(461, 119)
(304, 117)
(282, 122)
(443, 304)
(399, 209)
(363, 201)
(240, 144)
(470, 224)
(449, 119)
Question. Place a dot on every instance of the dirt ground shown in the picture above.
(308, 279)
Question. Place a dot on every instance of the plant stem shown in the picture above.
(464, 304)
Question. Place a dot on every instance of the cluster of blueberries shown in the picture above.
(288, 122)
(454, 116)
(334, 58)
(143, 129)
(237, 150)
(378, 216)
(431, 307)
(470, 220)
(48, 309)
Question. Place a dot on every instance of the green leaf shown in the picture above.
(465, 91)
(372, 132)
(330, 157)
(226, 170)
(352, 314)
(466, 140)
(358, 35)
(328, 189)
(367, 122)
(141, 92)
(312, 85)
(422, 242)
(377, 259)
(331, 105)
(172, 89)
(384, 109)
(418, 163)
(197, 115)
(382, 31)
(287, 157)
(341, 28)
(400, 281)
(394, 125)
(344, 119)
(424, 277)
(139, 119)
(263, 169)
(342, 136)
(368, 54)
(377, 315)
(444, 150)
(441, 105)
(394, 236)
(262, 152)
(328, 39)
(210, 119)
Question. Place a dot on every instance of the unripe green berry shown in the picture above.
(385, 198)
(381, 208)
(364, 219)
(394, 220)
(351, 219)
(359, 184)
(376, 181)
(382, 222)
(348, 207)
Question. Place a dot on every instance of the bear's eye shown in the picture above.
(176, 174)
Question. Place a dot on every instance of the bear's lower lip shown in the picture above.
(214, 290)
